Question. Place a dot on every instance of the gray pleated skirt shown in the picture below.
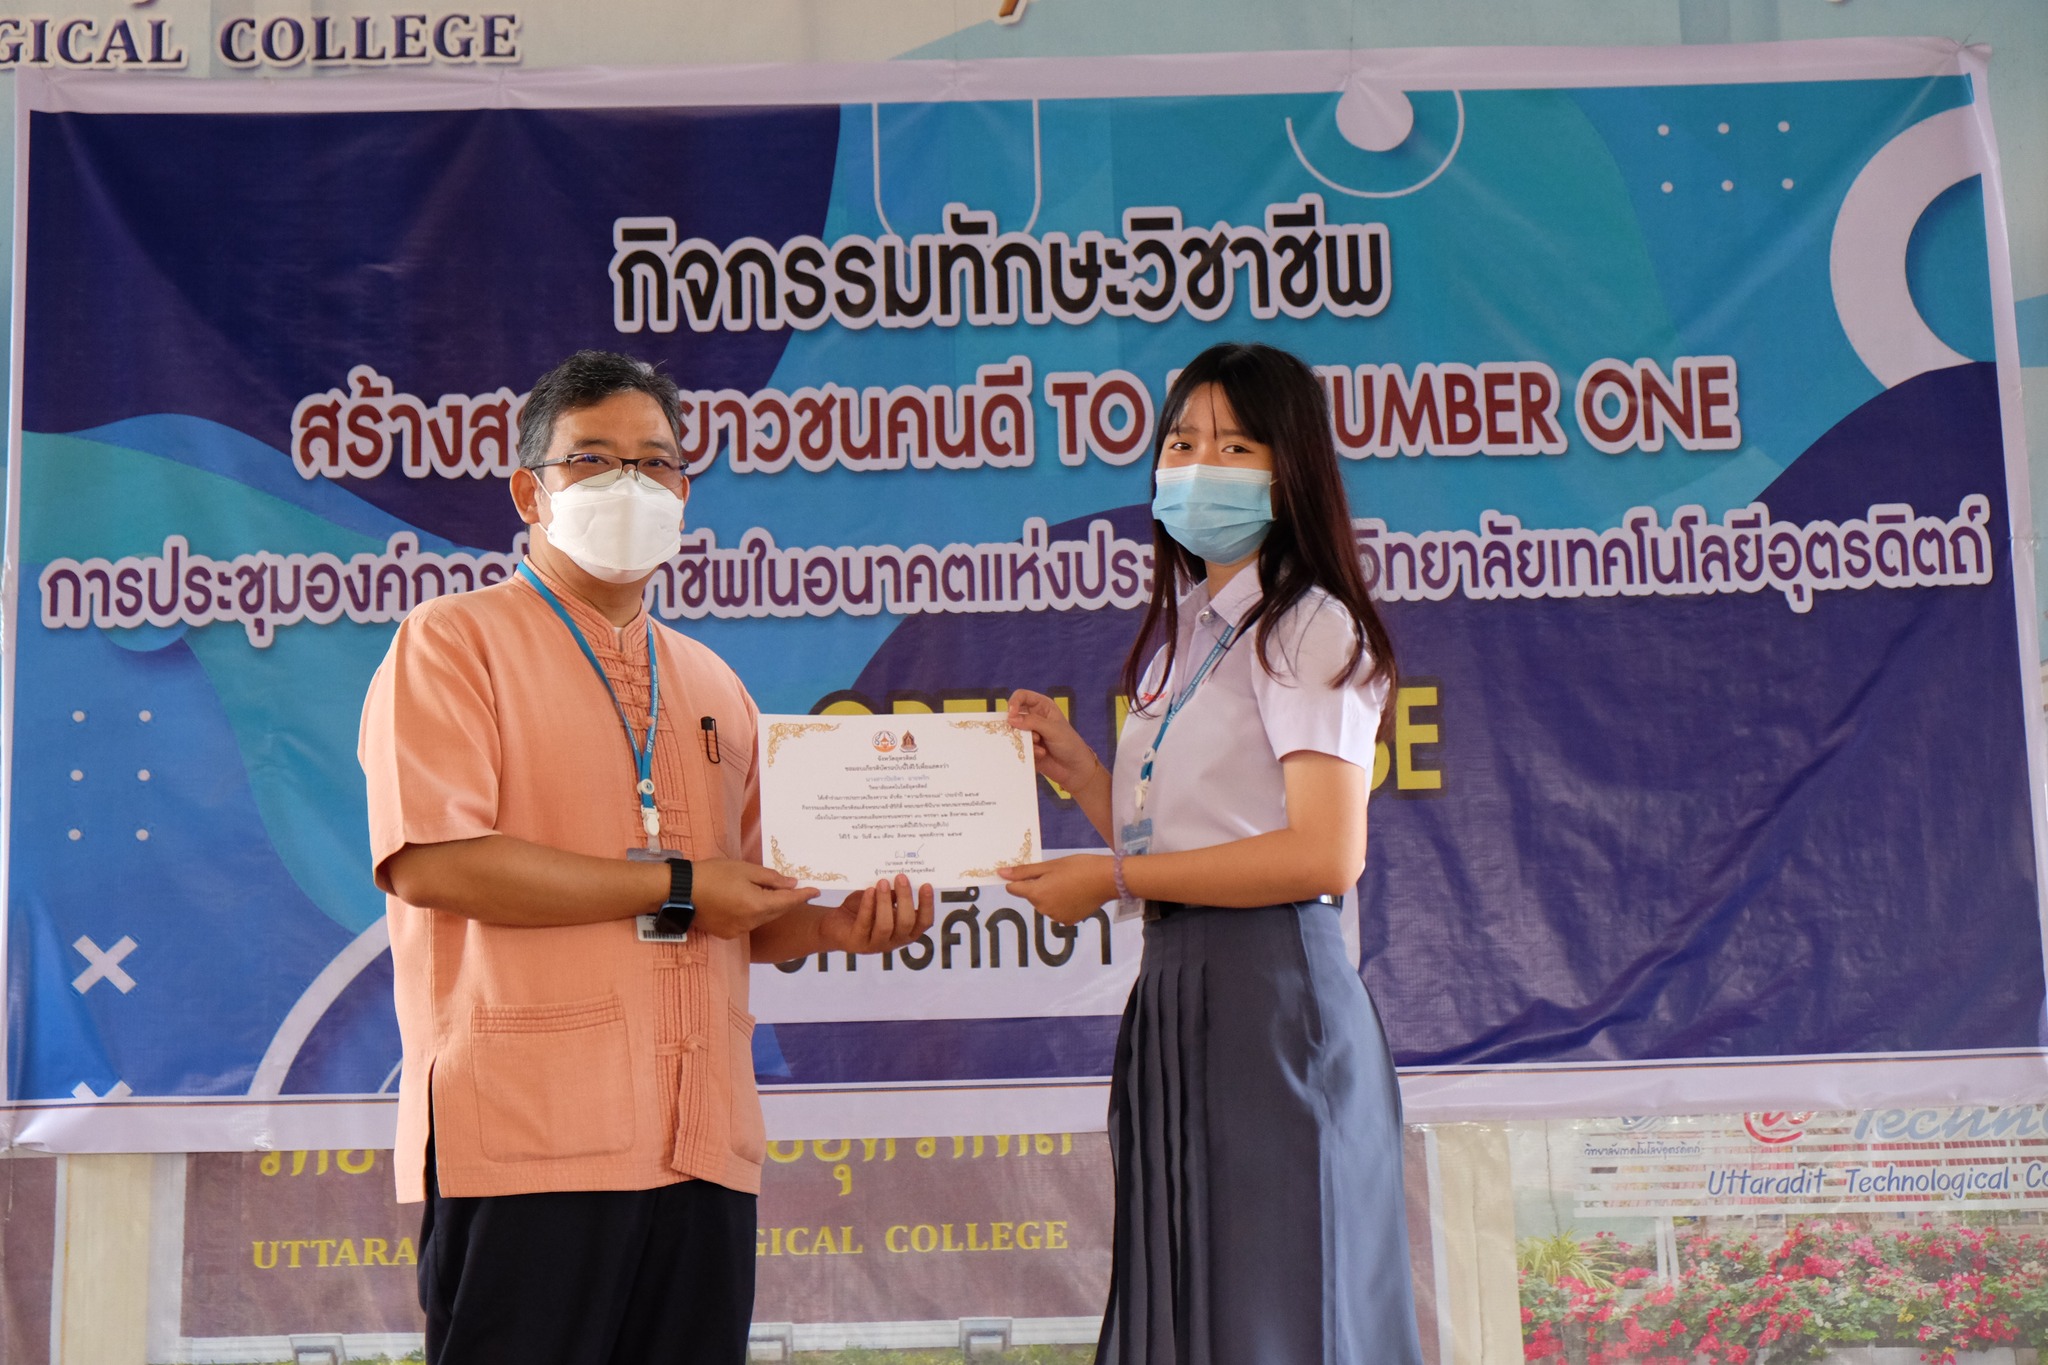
(1255, 1127)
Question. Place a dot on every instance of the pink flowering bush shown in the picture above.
(1746, 1301)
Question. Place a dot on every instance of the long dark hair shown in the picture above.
(1279, 404)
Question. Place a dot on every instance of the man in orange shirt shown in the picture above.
(564, 816)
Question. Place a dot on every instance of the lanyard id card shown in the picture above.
(1134, 838)
(643, 749)
(1144, 789)
(645, 926)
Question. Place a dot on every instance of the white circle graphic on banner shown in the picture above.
(1867, 257)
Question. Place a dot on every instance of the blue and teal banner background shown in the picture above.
(1713, 744)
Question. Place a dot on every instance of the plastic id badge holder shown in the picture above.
(1135, 839)
(648, 927)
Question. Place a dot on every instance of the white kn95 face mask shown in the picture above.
(615, 528)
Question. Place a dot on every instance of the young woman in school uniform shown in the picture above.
(1254, 1121)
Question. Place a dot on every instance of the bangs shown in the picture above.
(1233, 368)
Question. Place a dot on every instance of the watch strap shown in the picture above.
(679, 911)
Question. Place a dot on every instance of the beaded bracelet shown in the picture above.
(1116, 873)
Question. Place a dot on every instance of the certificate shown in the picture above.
(849, 800)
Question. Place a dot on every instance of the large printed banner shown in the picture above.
(1676, 393)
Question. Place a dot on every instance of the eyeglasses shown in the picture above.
(602, 471)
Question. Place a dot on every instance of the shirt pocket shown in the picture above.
(749, 1135)
(553, 1081)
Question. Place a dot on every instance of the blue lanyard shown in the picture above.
(1173, 709)
(643, 753)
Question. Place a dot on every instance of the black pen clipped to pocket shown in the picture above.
(709, 725)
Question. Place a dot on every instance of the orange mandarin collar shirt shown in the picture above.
(571, 1058)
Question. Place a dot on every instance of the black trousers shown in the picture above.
(600, 1277)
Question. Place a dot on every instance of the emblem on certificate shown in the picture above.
(848, 800)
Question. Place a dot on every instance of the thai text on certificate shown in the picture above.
(848, 800)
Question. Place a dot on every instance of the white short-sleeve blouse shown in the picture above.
(1217, 777)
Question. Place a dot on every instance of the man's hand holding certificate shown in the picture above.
(849, 800)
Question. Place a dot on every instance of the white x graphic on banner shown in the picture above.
(118, 1091)
(103, 965)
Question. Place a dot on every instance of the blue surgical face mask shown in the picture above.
(1217, 514)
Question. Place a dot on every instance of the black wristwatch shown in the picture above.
(679, 911)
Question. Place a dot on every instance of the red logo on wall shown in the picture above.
(1776, 1128)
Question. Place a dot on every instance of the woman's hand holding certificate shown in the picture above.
(1072, 888)
(850, 800)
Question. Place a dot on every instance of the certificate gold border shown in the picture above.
(783, 732)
